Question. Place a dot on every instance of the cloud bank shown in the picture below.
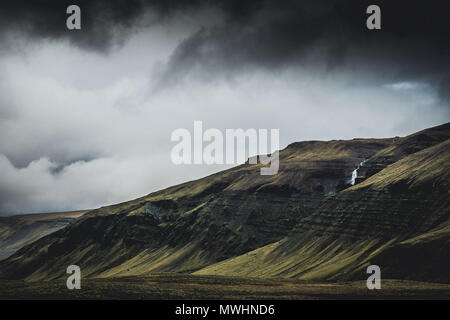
(86, 118)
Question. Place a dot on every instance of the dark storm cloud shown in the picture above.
(413, 42)
(104, 22)
(47, 19)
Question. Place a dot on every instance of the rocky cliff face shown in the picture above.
(306, 221)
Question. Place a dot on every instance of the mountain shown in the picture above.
(394, 219)
(305, 222)
(20, 230)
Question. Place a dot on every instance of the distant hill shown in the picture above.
(19, 230)
(306, 222)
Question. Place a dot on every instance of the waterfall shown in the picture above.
(355, 174)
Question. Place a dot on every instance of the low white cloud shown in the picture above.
(406, 85)
(39, 188)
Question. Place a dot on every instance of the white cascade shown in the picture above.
(355, 174)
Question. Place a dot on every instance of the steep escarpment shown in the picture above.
(408, 197)
(187, 227)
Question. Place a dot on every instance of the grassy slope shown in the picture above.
(392, 219)
(205, 221)
(302, 164)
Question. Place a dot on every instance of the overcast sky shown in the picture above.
(86, 116)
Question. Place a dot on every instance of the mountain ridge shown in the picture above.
(197, 225)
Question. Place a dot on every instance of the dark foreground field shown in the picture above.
(176, 286)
